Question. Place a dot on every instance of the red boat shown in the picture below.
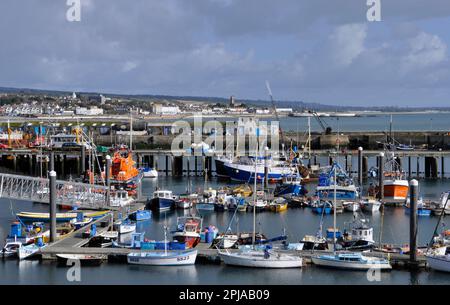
(188, 231)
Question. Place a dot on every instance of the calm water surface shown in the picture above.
(297, 223)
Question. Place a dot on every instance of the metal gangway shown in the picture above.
(68, 193)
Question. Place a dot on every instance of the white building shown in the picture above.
(166, 110)
(286, 110)
(86, 111)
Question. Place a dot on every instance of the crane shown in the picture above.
(275, 111)
(327, 129)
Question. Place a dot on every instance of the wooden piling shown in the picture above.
(413, 194)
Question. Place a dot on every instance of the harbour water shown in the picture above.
(297, 222)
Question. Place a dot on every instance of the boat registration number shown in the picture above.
(184, 258)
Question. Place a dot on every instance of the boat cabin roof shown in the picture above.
(163, 193)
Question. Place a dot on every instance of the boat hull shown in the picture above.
(342, 193)
(85, 260)
(189, 241)
(259, 261)
(246, 173)
(395, 191)
(159, 259)
(438, 263)
(322, 262)
(161, 204)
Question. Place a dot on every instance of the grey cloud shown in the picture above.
(196, 47)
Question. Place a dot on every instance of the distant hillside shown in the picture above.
(296, 105)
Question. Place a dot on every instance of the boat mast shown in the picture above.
(334, 212)
(254, 190)
(131, 129)
(309, 138)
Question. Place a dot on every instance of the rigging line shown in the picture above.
(438, 222)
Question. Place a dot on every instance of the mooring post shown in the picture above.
(413, 195)
(52, 161)
(167, 165)
(108, 179)
(30, 164)
(83, 160)
(418, 166)
(266, 168)
(381, 176)
(360, 152)
(52, 185)
(409, 166)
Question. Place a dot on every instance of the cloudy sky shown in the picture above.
(321, 51)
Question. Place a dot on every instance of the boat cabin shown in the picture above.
(363, 233)
(163, 194)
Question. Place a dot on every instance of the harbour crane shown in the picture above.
(326, 129)
(275, 111)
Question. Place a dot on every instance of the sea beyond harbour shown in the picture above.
(297, 222)
(432, 121)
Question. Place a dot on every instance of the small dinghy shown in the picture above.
(126, 227)
(84, 259)
(11, 248)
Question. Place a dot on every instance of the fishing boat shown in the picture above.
(279, 204)
(323, 207)
(237, 203)
(140, 215)
(125, 226)
(243, 190)
(343, 185)
(168, 258)
(60, 217)
(290, 185)
(351, 206)
(370, 205)
(348, 261)
(359, 236)
(311, 242)
(121, 199)
(187, 201)
(297, 201)
(80, 222)
(162, 200)
(422, 209)
(27, 251)
(149, 172)
(258, 258)
(259, 205)
(84, 259)
(243, 169)
(188, 231)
